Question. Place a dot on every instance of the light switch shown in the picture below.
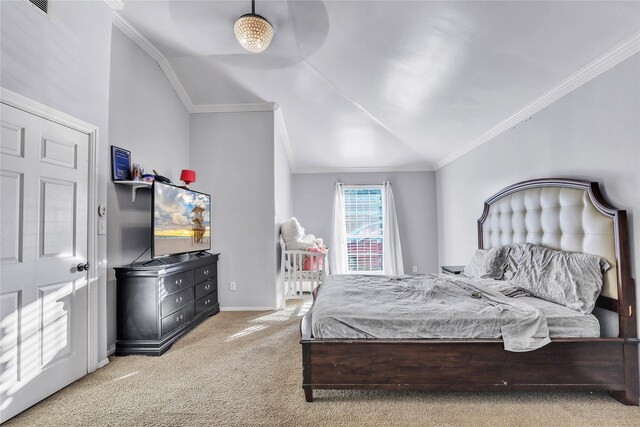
(102, 226)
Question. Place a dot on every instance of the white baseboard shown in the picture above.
(103, 362)
(111, 349)
(248, 308)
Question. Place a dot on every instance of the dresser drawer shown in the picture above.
(177, 282)
(206, 272)
(177, 319)
(205, 288)
(206, 303)
(172, 302)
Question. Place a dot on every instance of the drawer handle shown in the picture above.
(178, 282)
(206, 302)
(178, 300)
(206, 272)
(206, 288)
(178, 319)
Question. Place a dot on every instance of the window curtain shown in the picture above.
(392, 250)
(338, 250)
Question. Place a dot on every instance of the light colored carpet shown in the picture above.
(244, 368)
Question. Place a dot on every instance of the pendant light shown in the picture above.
(253, 31)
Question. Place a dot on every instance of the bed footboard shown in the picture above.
(587, 364)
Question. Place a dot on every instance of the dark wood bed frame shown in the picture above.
(587, 364)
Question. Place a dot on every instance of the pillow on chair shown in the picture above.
(312, 262)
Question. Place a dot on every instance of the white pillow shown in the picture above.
(294, 237)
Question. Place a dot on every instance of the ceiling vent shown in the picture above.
(41, 5)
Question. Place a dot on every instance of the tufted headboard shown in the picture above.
(569, 215)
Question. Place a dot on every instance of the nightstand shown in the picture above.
(452, 269)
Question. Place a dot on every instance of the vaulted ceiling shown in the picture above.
(388, 84)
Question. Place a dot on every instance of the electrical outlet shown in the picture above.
(232, 286)
(415, 268)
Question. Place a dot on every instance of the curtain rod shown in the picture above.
(361, 185)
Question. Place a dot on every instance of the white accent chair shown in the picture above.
(294, 279)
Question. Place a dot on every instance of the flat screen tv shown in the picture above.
(181, 220)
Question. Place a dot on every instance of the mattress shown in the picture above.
(440, 306)
(564, 322)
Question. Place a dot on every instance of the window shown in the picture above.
(363, 224)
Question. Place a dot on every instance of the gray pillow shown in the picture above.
(516, 252)
(487, 263)
(569, 278)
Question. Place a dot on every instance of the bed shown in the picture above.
(564, 214)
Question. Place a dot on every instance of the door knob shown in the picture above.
(83, 267)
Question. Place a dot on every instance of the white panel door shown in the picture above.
(43, 234)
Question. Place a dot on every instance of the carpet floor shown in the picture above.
(244, 369)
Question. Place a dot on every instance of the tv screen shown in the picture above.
(181, 220)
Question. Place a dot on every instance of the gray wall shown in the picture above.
(283, 195)
(147, 118)
(63, 61)
(233, 154)
(592, 133)
(415, 196)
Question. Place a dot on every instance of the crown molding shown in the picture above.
(137, 37)
(162, 61)
(424, 168)
(115, 4)
(233, 108)
(603, 63)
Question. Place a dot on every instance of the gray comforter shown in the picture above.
(429, 306)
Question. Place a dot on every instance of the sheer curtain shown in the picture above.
(392, 250)
(338, 249)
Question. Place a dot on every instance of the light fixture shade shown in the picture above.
(253, 32)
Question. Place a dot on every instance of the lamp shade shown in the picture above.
(188, 176)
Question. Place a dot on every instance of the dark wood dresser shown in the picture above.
(158, 303)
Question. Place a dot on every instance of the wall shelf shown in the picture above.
(135, 185)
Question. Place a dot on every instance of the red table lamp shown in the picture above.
(188, 176)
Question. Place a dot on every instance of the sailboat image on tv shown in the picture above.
(181, 220)
(198, 224)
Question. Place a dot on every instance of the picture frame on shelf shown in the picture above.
(120, 164)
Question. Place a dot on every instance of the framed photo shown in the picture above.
(120, 164)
